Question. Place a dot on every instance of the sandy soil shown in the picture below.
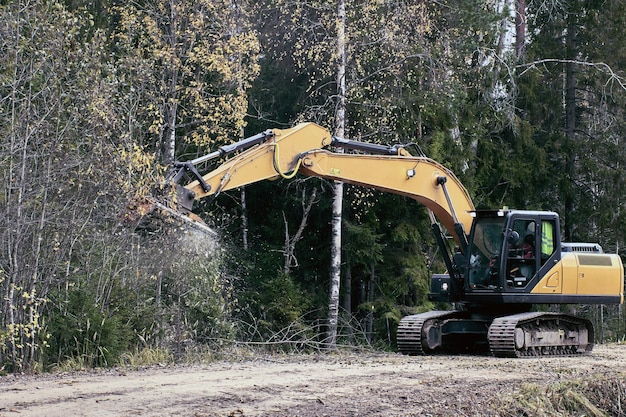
(316, 385)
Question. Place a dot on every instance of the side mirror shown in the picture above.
(512, 237)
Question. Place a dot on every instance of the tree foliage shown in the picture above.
(189, 65)
(53, 113)
(578, 128)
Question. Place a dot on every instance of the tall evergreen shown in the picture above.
(572, 94)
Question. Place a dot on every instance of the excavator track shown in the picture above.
(540, 334)
(419, 334)
(410, 337)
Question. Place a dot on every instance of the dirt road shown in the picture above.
(316, 385)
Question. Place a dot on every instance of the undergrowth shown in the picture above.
(597, 396)
(146, 357)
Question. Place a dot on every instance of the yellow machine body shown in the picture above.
(584, 274)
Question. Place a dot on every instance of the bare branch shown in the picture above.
(601, 66)
(290, 242)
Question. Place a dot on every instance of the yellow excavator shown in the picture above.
(503, 263)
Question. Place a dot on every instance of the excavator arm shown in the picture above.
(304, 149)
(419, 178)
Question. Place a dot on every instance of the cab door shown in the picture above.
(534, 254)
(521, 253)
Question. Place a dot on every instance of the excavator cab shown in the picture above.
(510, 250)
(507, 253)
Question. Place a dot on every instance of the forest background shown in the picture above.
(523, 99)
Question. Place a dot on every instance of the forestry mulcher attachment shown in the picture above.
(505, 261)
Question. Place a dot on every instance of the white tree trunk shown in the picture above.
(244, 219)
(340, 117)
(170, 144)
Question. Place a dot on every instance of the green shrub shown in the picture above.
(83, 334)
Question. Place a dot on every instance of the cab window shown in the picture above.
(485, 253)
(548, 241)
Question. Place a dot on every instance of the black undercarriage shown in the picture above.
(513, 335)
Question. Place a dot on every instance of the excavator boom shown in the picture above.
(303, 149)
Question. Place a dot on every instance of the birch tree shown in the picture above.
(337, 210)
(201, 58)
(187, 66)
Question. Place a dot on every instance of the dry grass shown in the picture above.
(597, 396)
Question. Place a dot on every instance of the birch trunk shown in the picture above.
(244, 219)
(169, 152)
(340, 117)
